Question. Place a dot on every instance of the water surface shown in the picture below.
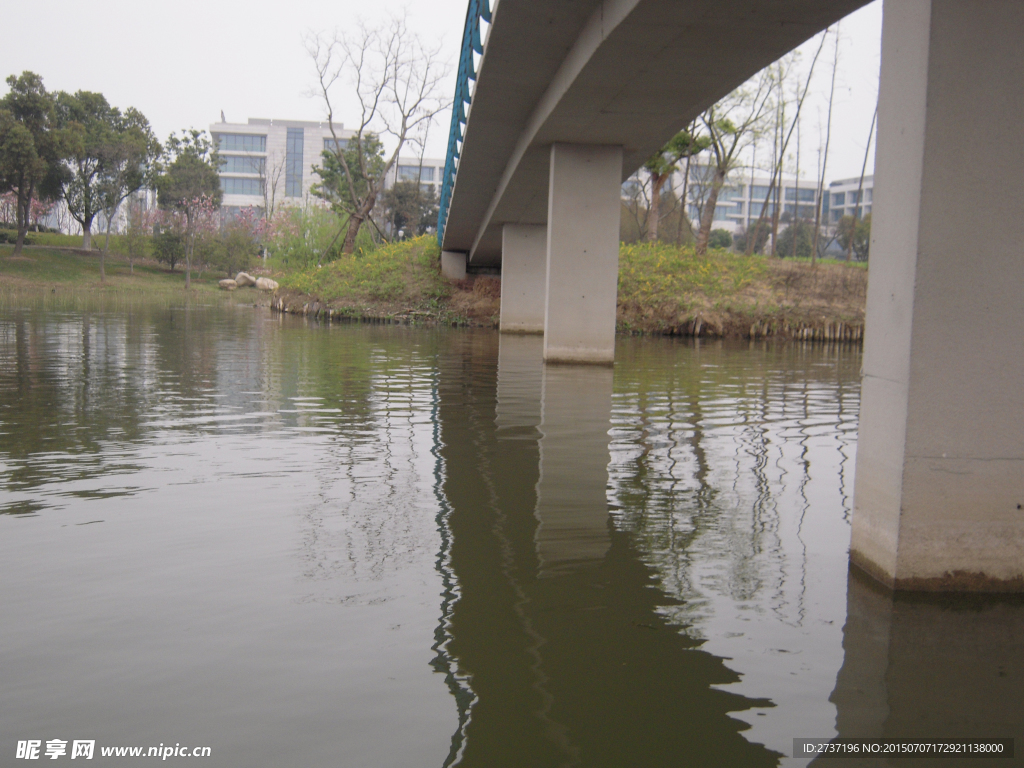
(384, 546)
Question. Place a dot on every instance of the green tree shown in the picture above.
(797, 240)
(410, 208)
(129, 163)
(663, 164)
(189, 184)
(347, 177)
(31, 147)
(169, 247)
(758, 232)
(854, 235)
(87, 121)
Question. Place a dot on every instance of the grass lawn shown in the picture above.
(60, 278)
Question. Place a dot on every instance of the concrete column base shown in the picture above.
(523, 277)
(453, 265)
(582, 253)
(939, 495)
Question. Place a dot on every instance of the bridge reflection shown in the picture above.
(557, 629)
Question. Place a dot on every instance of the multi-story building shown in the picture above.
(740, 201)
(842, 200)
(270, 158)
(428, 170)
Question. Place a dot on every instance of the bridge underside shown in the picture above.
(626, 73)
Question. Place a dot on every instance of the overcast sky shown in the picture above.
(181, 63)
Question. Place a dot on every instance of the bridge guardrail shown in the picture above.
(471, 41)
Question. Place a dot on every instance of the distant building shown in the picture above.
(427, 169)
(273, 156)
(841, 199)
(739, 202)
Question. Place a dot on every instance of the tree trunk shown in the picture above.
(22, 206)
(707, 216)
(87, 234)
(657, 181)
(356, 221)
(106, 249)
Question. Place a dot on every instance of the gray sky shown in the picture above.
(181, 63)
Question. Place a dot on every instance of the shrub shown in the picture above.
(720, 238)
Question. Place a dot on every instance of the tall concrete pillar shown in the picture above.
(583, 253)
(940, 460)
(523, 277)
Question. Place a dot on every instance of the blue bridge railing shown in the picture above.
(471, 41)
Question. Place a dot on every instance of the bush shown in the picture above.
(169, 247)
(313, 234)
(761, 239)
(802, 234)
(720, 238)
(11, 236)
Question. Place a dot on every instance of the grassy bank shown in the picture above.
(663, 289)
(59, 278)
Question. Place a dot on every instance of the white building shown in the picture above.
(841, 199)
(428, 170)
(739, 202)
(270, 158)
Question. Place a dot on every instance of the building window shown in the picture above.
(837, 214)
(331, 145)
(242, 164)
(235, 186)
(293, 164)
(838, 199)
(411, 172)
(758, 192)
(241, 142)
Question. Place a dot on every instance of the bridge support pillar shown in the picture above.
(582, 253)
(453, 265)
(939, 496)
(523, 277)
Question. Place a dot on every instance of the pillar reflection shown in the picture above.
(556, 631)
(929, 665)
(572, 503)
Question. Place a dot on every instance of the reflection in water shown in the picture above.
(730, 468)
(572, 504)
(360, 546)
(919, 666)
(231, 536)
(568, 665)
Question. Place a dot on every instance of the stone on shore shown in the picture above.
(266, 284)
(227, 285)
(244, 278)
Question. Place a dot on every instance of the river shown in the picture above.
(367, 545)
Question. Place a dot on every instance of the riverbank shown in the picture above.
(663, 290)
(60, 277)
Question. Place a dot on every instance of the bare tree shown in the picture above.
(858, 204)
(271, 172)
(783, 135)
(397, 81)
(824, 157)
(731, 125)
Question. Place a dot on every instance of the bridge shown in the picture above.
(569, 97)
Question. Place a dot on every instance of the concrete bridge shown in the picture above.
(571, 96)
